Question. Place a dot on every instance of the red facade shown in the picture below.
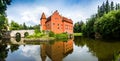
(56, 23)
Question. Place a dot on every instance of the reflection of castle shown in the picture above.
(57, 51)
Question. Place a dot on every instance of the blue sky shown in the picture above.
(29, 11)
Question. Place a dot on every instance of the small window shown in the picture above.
(58, 24)
(53, 23)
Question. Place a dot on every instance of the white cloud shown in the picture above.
(31, 14)
(31, 51)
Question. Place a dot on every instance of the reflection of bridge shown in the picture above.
(13, 41)
(22, 32)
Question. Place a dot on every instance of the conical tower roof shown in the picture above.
(43, 16)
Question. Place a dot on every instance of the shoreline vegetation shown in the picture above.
(46, 36)
(41, 37)
(78, 34)
(102, 25)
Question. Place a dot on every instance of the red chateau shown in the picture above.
(56, 23)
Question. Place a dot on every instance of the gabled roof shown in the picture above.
(48, 19)
(64, 19)
(67, 20)
(43, 16)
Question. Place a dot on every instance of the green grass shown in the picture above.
(50, 36)
(61, 36)
(77, 34)
(36, 35)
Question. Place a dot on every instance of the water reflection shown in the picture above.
(56, 51)
(104, 51)
(5, 48)
(3, 51)
(81, 49)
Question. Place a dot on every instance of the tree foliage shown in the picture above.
(78, 27)
(3, 19)
(105, 22)
(108, 25)
(3, 23)
(14, 26)
(88, 30)
(37, 28)
(3, 6)
(24, 26)
(106, 8)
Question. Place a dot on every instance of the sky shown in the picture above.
(29, 11)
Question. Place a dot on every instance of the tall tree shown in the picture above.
(116, 7)
(107, 7)
(98, 15)
(112, 5)
(101, 10)
(37, 28)
(24, 26)
(3, 19)
(78, 27)
(14, 26)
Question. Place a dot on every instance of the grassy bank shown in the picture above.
(77, 34)
(48, 36)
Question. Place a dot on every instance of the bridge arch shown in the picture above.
(26, 34)
(22, 32)
(18, 36)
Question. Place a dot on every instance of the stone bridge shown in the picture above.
(22, 32)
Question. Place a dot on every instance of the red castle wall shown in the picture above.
(56, 23)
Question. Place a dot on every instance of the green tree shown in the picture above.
(14, 26)
(108, 25)
(107, 6)
(112, 6)
(117, 7)
(30, 27)
(24, 26)
(37, 28)
(78, 26)
(84, 30)
(3, 6)
(101, 10)
(3, 19)
(3, 25)
(90, 26)
(20, 27)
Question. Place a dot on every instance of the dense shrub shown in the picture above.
(61, 36)
(51, 34)
(38, 35)
(109, 25)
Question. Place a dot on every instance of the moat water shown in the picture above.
(77, 49)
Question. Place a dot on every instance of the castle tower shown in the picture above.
(42, 22)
